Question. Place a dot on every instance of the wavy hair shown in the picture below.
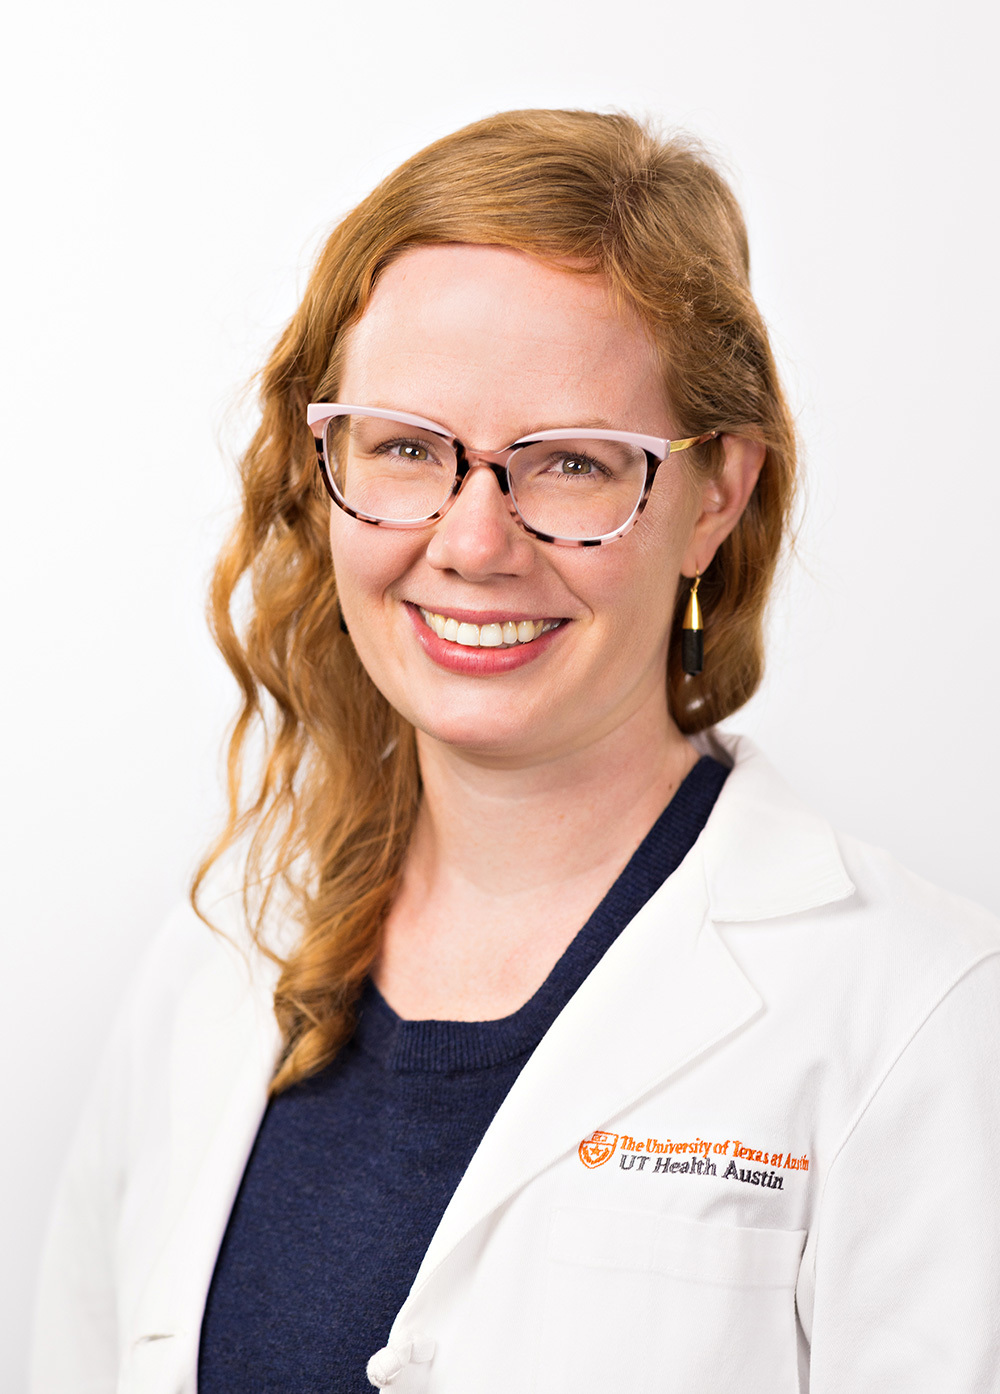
(328, 810)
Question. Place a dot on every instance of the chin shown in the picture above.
(490, 734)
(472, 736)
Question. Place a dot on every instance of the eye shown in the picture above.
(419, 453)
(414, 452)
(573, 464)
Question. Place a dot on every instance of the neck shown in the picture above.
(507, 862)
(509, 830)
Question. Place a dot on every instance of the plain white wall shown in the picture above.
(171, 170)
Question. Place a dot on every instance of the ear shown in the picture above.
(723, 500)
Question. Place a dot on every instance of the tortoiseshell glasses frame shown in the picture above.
(321, 415)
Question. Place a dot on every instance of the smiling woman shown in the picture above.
(501, 913)
(603, 619)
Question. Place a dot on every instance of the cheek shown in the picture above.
(366, 559)
(632, 596)
(639, 576)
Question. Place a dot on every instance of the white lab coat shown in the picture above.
(756, 1153)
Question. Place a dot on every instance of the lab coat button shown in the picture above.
(386, 1363)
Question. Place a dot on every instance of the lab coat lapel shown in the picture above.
(666, 991)
(223, 1053)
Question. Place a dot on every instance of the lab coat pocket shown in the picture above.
(638, 1301)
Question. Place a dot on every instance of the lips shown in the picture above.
(490, 634)
(486, 643)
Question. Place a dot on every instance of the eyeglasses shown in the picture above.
(575, 488)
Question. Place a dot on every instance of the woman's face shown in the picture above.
(493, 345)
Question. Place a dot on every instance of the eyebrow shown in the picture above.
(594, 423)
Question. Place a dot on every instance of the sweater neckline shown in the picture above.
(401, 1045)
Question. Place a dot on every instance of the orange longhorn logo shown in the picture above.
(596, 1149)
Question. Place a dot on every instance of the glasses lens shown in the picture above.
(577, 489)
(386, 470)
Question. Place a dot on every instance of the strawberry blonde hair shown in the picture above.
(327, 813)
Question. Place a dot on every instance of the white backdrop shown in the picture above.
(172, 169)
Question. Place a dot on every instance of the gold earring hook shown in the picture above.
(692, 615)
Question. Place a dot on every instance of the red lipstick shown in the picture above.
(479, 662)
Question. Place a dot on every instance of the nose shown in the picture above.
(478, 536)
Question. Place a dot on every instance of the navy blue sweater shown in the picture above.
(352, 1169)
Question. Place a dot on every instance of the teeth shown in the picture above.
(486, 636)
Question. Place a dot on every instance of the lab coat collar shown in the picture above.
(667, 991)
(765, 853)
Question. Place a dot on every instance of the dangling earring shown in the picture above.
(693, 633)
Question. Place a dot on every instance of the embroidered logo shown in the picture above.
(598, 1149)
(698, 1157)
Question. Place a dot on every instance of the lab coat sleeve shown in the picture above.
(901, 1283)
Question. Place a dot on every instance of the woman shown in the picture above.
(567, 1050)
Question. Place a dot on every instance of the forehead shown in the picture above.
(492, 342)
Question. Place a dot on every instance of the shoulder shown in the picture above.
(214, 951)
(198, 1011)
(906, 910)
(184, 952)
(197, 1017)
(898, 947)
(814, 906)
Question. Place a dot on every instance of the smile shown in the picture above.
(505, 634)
